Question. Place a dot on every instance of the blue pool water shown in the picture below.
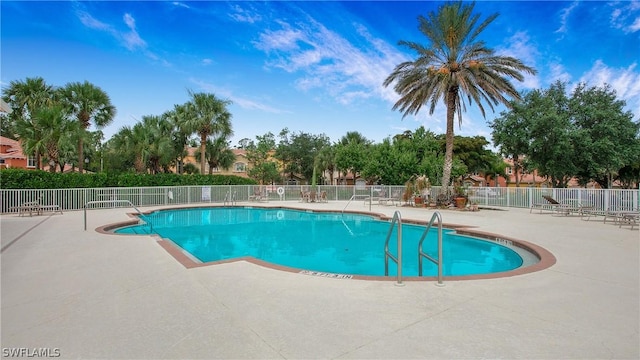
(324, 242)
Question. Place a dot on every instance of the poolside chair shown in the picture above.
(36, 207)
(257, 195)
(555, 206)
(396, 197)
(304, 196)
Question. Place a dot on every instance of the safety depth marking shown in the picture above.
(329, 275)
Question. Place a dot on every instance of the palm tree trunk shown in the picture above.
(80, 155)
(516, 168)
(448, 153)
(203, 153)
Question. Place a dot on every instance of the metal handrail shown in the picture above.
(436, 215)
(397, 219)
(348, 202)
(107, 202)
(230, 198)
(353, 197)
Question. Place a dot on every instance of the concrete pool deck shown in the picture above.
(84, 294)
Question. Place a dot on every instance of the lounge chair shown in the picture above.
(257, 195)
(394, 199)
(35, 207)
(555, 206)
(629, 218)
(304, 196)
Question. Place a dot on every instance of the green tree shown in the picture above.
(218, 154)
(89, 104)
(207, 116)
(55, 125)
(159, 150)
(180, 134)
(511, 135)
(387, 163)
(473, 153)
(552, 135)
(327, 160)
(455, 65)
(607, 136)
(263, 168)
(351, 153)
(26, 98)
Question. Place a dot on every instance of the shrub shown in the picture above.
(38, 179)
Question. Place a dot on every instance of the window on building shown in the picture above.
(31, 162)
(1, 161)
(239, 167)
(509, 171)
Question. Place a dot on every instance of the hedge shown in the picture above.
(38, 179)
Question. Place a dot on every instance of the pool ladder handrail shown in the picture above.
(421, 254)
(396, 220)
(230, 198)
(113, 202)
(354, 196)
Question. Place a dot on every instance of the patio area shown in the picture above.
(90, 295)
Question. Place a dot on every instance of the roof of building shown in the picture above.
(10, 149)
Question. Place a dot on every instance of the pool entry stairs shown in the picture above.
(397, 221)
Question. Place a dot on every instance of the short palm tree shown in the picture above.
(55, 126)
(159, 145)
(88, 103)
(218, 154)
(26, 98)
(177, 117)
(453, 66)
(207, 116)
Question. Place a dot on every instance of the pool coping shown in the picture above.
(545, 257)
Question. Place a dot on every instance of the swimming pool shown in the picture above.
(325, 242)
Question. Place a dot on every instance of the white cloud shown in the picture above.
(206, 62)
(132, 39)
(564, 17)
(180, 4)
(330, 62)
(627, 17)
(281, 40)
(625, 81)
(237, 100)
(243, 15)
(129, 38)
(558, 72)
(89, 21)
(519, 46)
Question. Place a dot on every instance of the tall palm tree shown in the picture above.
(26, 98)
(88, 103)
(207, 116)
(453, 66)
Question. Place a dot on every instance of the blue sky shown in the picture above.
(312, 66)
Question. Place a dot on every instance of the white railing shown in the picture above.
(75, 199)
